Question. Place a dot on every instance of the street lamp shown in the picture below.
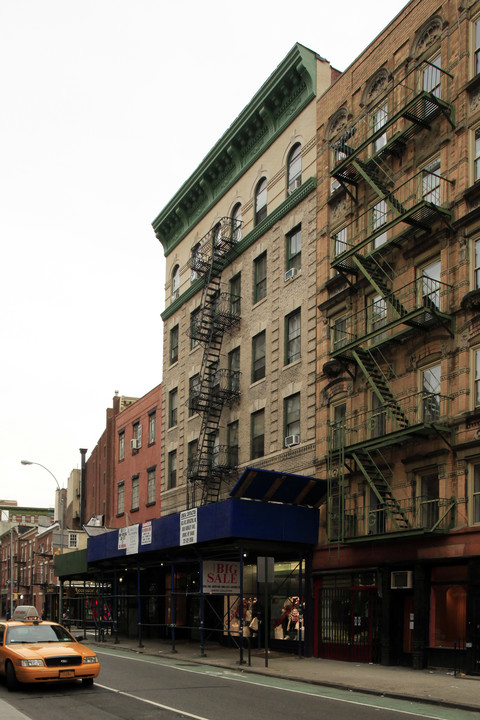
(61, 523)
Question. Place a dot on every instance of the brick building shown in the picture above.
(398, 570)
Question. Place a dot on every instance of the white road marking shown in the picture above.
(152, 702)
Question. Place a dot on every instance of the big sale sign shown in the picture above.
(221, 577)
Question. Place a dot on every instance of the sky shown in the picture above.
(107, 107)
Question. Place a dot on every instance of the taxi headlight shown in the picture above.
(90, 659)
(30, 663)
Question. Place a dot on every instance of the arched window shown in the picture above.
(294, 168)
(261, 201)
(175, 282)
(194, 261)
(237, 222)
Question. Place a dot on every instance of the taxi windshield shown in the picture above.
(37, 634)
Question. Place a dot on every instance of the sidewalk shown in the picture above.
(432, 686)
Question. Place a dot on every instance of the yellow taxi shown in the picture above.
(33, 650)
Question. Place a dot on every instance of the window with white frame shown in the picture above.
(151, 485)
(337, 420)
(476, 377)
(294, 249)
(152, 427)
(432, 76)
(340, 242)
(474, 493)
(430, 388)
(339, 334)
(172, 408)
(121, 498)
(175, 282)
(237, 222)
(476, 155)
(135, 492)
(72, 540)
(431, 284)
(172, 470)
(379, 218)
(291, 413)
(121, 445)
(261, 201)
(431, 189)
(294, 168)
(379, 119)
(293, 338)
(476, 47)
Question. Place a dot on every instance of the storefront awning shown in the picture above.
(269, 485)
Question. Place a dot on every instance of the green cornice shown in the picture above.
(294, 199)
(290, 88)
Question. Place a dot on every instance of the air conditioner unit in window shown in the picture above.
(292, 440)
(335, 185)
(133, 444)
(401, 580)
(290, 273)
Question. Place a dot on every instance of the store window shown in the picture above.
(448, 606)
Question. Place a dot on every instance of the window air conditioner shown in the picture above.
(292, 440)
(335, 185)
(133, 444)
(290, 273)
(401, 580)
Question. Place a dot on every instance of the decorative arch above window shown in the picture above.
(376, 86)
(337, 122)
(261, 201)
(294, 168)
(427, 35)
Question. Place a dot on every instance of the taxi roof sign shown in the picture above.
(26, 612)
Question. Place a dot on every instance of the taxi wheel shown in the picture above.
(12, 682)
(87, 682)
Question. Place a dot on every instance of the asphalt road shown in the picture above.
(136, 687)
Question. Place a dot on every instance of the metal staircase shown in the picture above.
(216, 317)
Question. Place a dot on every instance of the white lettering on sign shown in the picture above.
(132, 539)
(122, 538)
(221, 577)
(188, 527)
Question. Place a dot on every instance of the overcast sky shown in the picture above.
(107, 107)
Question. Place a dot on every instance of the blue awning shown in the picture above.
(273, 486)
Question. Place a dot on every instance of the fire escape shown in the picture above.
(219, 313)
(361, 340)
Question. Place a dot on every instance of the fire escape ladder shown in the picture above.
(378, 279)
(378, 382)
(209, 330)
(370, 173)
(380, 486)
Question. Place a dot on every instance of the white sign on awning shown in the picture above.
(128, 539)
(147, 533)
(188, 527)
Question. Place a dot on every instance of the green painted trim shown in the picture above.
(290, 88)
(292, 201)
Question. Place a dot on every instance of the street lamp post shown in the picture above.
(61, 523)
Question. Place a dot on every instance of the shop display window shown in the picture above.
(448, 607)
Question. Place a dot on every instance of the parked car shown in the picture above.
(33, 650)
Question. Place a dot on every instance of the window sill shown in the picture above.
(134, 510)
(287, 366)
(259, 302)
(119, 515)
(257, 382)
(149, 504)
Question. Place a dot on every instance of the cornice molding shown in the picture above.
(290, 88)
(292, 200)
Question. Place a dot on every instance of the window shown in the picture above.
(339, 412)
(432, 76)
(377, 310)
(260, 277)
(291, 414)
(193, 391)
(294, 249)
(431, 284)
(258, 434)
(431, 182)
(172, 407)
(194, 327)
(151, 483)
(172, 470)
(72, 540)
(174, 345)
(234, 369)
(152, 428)
(340, 241)
(379, 119)
(237, 222)
(195, 259)
(135, 492)
(476, 49)
(236, 294)
(378, 422)
(429, 500)
(232, 443)
(137, 436)
(294, 168)
(476, 156)
(376, 515)
(175, 282)
(120, 498)
(379, 218)
(293, 337)
(340, 336)
(476, 378)
(214, 442)
(258, 356)
(448, 614)
(474, 495)
(261, 201)
(121, 445)
(431, 382)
